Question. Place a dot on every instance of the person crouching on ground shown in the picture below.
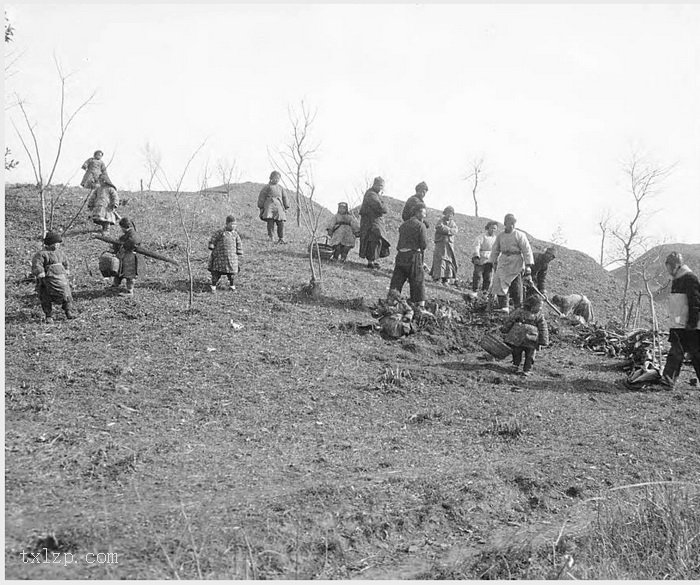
(684, 317)
(413, 240)
(526, 331)
(575, 306)
(50, 268)
(226, 247)
(396, 316)
(444, 261)
(128, 260)
(342, 233)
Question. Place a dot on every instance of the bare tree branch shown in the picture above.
(475, 174)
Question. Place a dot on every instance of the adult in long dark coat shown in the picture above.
(373, 241)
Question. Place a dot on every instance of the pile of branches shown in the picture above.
(636, 346)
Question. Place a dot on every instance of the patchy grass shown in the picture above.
(644, 532)
(301, 444)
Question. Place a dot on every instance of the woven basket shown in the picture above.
(109, 264)
(494, 346)
(325, 250)
(522, 334)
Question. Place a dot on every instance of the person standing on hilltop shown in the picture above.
(342, 233)
(103, 203)
(226, 248)
(684, 317)
(481, 257)
(50, 268)
(413, 240)
(373, 242)
(444, 261)
(94, 168)
(511, 253)
(273, 206)
(417, 199)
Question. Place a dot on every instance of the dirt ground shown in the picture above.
(259, 434)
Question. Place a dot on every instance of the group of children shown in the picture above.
(525, 329)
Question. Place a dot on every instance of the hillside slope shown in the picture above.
(260, 435)
(653, 262)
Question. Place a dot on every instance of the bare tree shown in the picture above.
(187, 231)
(10, 60)
(645, 178)
(476, 170)
(558, 237)
(43, 183)
(228, 171)
(152, 159)
(294, 163)
(604, 220)
(294, 159)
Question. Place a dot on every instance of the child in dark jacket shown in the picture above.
(526, 331)
(226, 251)
(50, 268)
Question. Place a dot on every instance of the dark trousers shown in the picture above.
(47, 304)
(529, 357)
(682, 341)
(482, 272)
(215, 276)
(515, 290)
(409, 267)
(271, 228)
(129, 282)
(341, 251)
(372, 249)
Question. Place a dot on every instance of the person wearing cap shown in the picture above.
(273, 205)
(125, 250)
(373, 240)
(413, 240)
(226, 249)
(94, 168)
(50, 268)
(511, 254)
(415, 199)
(539, 268)
(481, 257)
(684, 319)
(342, 232)
(103, 203)
(444, 261)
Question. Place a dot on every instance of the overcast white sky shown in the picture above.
(554, 97)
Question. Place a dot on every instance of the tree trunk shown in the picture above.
(42, 200)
